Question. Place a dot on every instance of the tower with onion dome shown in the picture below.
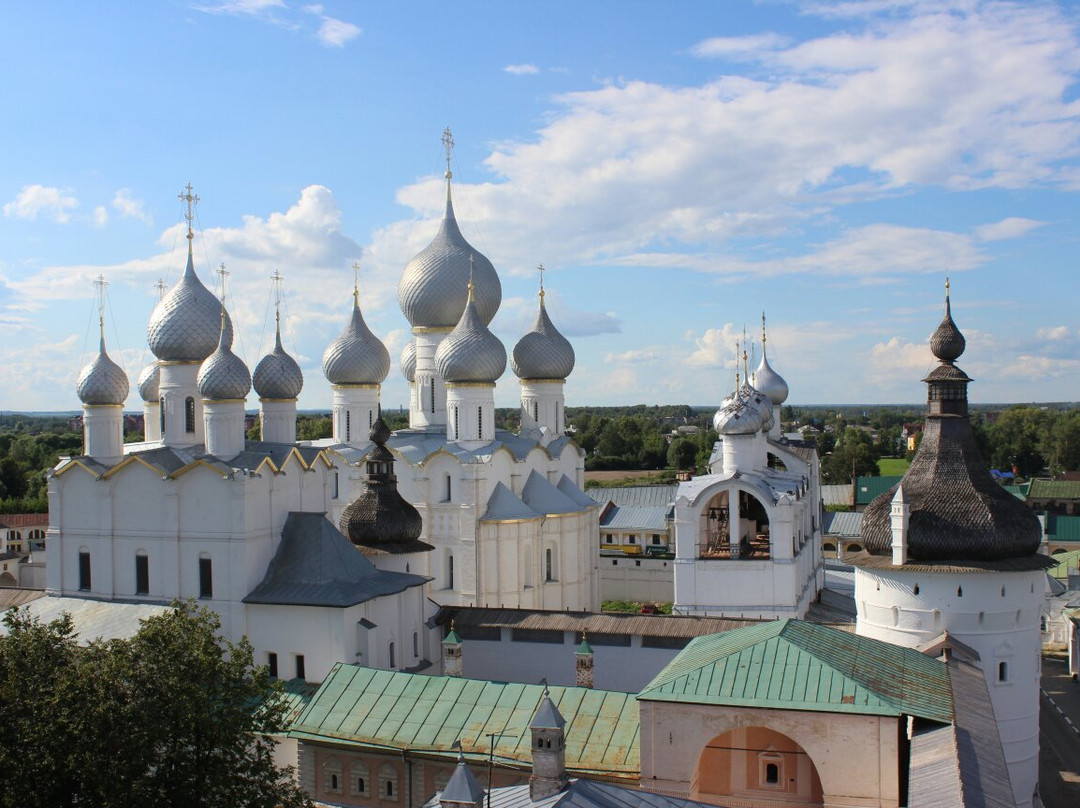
(278, 381)
(770, 384)
(542, 359)
(184, 329)
(223, 383)
(469, 361)
(952, 560)
(103, 387)
(432, 294)
(355, 364)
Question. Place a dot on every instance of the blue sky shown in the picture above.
(677, 167)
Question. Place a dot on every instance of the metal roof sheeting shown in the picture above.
(395, 710)
(839, 495)
(582, 794)
(867, 489)
(94, 619)
(1054, 489)
(637, 495)
(629, 517)
(794, 665)
(1062, 528)
(846, 524)
(645, 625)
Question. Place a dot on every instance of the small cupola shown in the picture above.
(462, 790)
(548, 750)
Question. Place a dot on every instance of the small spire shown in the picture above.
(100, 283)
(737, 377)
(763, 335)
(948, 306)
(472, 288)
(191, 200)
(224, 273)
(448, 144)
(542, 270)
(276, 279)
(356, 284)
(161, 288)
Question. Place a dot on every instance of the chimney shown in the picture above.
(899, 516)
(451, 653)
(548, 751)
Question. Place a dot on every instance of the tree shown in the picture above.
(175, 716)
(853, 455)
(682, 453)
(1016, 437)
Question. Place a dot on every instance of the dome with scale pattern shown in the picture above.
(102, 382)
(470, 353)
(408, 361)
(357, 356)
(148, 383)
(186, 323)
(223, 376)
(542, 353)
(278, 376)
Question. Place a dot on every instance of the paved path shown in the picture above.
(1059, 737)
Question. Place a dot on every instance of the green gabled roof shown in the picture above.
(1019, 491)
(394, 710)
(1054, 489)
(1060, 527)
(793, 665)
(867, 489)
(1065, 562)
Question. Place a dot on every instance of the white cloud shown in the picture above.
(635, 356)
(239, 7)
(739, 46)
(101, 216)
(1057, 332)
(522, 70)
(335, 33)
(126, 205)
(32, 200)
(1012, 227)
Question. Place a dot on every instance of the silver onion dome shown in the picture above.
(542, 353)
(148, 383)
(186, 323)
(470, 353)
(408, 361)
(770, 383)
(738, 418)
(432, 288)
(758, 401)
(102, 381)
(356, 356)
(278, 375)
(223, 376)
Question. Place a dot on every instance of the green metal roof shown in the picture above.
(1065, 561)
(867, 489)
(1018, 491)
(1062, 528)
(793, 665)
(1054, 489)
(393, 710)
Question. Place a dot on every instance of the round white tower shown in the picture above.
(432, 297)
(355, 364)
(542, 359)
(183, 331)
(223, 384)
(278, 381)
(949, 550)
(103, 387)
(470, 359)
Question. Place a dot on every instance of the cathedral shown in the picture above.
(338, 549)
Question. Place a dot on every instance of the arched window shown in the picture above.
(449, 572)
(415, 645)
(959, 591)
(360, 779)
(1003, 671)
(332, 776)
(550, 565)
(388, 782)
(392, 660)
(142, 573)
(161, 415)
(84, 569)
(189, 415)
(915, 591)
(447, 491)
(772, 773)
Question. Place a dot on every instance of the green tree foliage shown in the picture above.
(314, 427)
(853, 454)
(28, 449)
(682, 453)
(175, 716)
(1016, 438)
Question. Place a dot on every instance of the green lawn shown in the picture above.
(892, 466)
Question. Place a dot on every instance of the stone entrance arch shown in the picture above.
(756, 764)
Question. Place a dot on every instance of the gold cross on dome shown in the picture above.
(191, 200)
(448, 144)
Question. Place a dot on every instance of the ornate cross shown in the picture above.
(191, 200)
(448, 144)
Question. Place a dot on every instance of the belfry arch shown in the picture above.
(759, 764)
(735, 525)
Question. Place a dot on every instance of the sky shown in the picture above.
(678, 168)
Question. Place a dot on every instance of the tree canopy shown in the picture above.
(175, 716)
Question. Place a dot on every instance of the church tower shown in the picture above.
(103, 388)
(278, 381)
(542, 359)
(432, 295)
(548, 730)
(948, 550)
(223, 383)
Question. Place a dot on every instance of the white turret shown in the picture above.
(103, 387)
(223, 384)
(278, 380)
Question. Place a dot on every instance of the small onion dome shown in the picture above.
(739, 418)
(757, 400)
(186, 323)
(102, 381)
(408, 361)
(223, 376)
(432, 288)
(357, 356)
(148, 383)
(278, 375)
(947, 343)
(470, 353)
(770, 383)
(381, 521)
(543, 353)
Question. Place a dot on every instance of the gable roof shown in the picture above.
(793, 665)
(317, 566)
(622, 517)
(1054, 489)
(357, 706)
(867, 489)
(639, 495)
(841, 523)
(503, 505)
(546, 499)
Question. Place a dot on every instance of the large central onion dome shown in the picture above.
(432, 288)
(149, 380)
(958, 512)
(470, 353)
(102, 381)
(186, 323)
(357, 356)
(380, 521)
(223, 376)
(278, 375)
(542, 353)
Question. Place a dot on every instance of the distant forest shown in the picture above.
(1032, 440)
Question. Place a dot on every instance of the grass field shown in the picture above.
(892, 466)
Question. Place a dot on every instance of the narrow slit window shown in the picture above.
(142, 575)
(206, 578)
(84, 570)
(189, 415)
